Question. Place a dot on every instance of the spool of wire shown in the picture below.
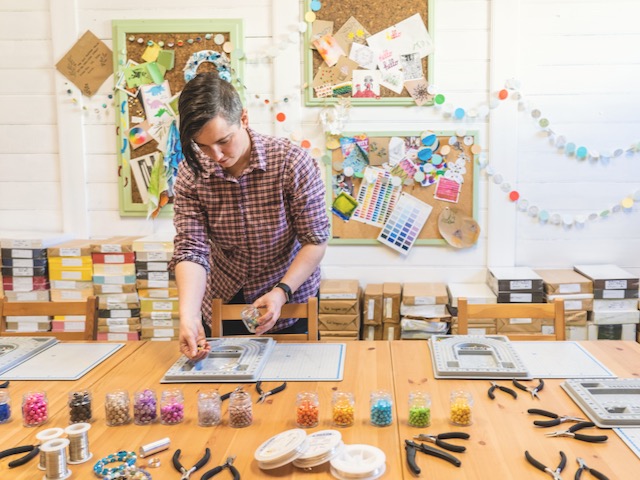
(55, 452)
(363, 462)
(78, 442)
(323, 446)
(44, 436)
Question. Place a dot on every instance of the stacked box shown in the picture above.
(423, 310)
(25, 277)
(71, 276)
(577, 292)
(615, 302)
(372, 312)
(159, 315)
(475, 293)
(391, 299)
(114, 282)
(339, 309)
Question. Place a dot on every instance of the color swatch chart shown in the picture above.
(377, 197)
(404, 225)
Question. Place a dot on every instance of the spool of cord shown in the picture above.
(44, 436)
(78, 442)
(55, 452)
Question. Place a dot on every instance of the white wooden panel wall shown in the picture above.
(575, 59)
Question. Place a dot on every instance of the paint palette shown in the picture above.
(405, 222)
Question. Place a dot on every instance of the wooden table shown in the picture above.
(501, 432)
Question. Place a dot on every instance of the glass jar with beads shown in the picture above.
(343, 409)
(171, 407)
(35, 408)
(5, 406)
(145, 407)
(79, 403)
(461, 405)
(380, 408)
(419, 409)
(116, 408)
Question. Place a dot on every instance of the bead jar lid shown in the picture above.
(281, 449)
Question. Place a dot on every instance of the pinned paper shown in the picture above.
(151, 52)
(357, 161)
(447, 190)
(366, 84)
(167, 59)
(143, 74)
(419, 91)
(409, 35)
(349, 33)
(87, 64)
(406, 221)
(329, 49)
(344, 206)
(347, 144)
(363, 56)
(411, 66)
(397, 150)
(139, 135)
(154, 100)
(323, 91)
(376, 197)
(404, 169)
(141, 168)
(378, 150)
(458, 230)
(326, 76)
(320, 28)
(392, 79)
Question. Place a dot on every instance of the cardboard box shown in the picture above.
(519, 325)
(141, 284)
(113, 258)
(577, 301)
(424, 311)
(624, 305)
(436, 326)
(162, 305)
(372, 311)
(391, 298)
(339, 290)
(73, 248)
(160, 315)
(564, 280)
(157, 242)
(154, 256)
(119, 321)
(109, 289)
(148, 332)
(34, 296)
(114, 269)
(571, 318)
(122, 244)
(391, 331)
(425, 293)
(28, 326)
(611, 318)
(611, 332)
(150, 322)
(475, 293)
(610, 294)
(118, 337)
(70, 295)
(63, 263)
(328, 321)
(118, 328)
(372, 332)
(514, 279)
(477, 329)
(158, 293)
(609, 277)
(576, 333)
(338, 335)
(520, 297)
(342, 307)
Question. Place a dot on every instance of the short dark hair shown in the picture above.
(205, 97)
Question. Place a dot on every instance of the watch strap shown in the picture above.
(286, 289)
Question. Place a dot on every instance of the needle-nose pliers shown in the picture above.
(570, 432)
(532, 390)
(542, 467)
(557, 419)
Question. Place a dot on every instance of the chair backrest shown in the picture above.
(88, 308)
(309, 310)
(553, 311)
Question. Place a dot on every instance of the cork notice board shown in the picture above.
(183, 38)
(356, 232)
(375, 16)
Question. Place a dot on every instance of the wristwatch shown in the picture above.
(286, 289)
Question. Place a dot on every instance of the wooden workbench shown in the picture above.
(500, 433)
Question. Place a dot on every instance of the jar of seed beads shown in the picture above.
(116, 408)
(35, 408)
(461, 403)
(307, 409)
(171, 407)
(343, 408)
(5, 406)
(240, 409)
(80, 407)
(250, 316)
(419, 409)
(145, 407)
(380, 408)
(209, 408)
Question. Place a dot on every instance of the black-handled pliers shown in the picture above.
(584, 466)
(557, 419)
(264, 395)
(570, 432)
(412, 447)
(228, 394)
(30, 450)
(540, 466)
(4, 384)
(532, 390)
(508, 390)
(228, 464)
(438, 440)
(186, 474)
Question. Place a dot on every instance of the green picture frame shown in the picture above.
(125, 38)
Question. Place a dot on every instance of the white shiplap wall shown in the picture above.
(577, 61)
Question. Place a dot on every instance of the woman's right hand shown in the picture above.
(193, 342)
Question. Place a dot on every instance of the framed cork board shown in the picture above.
(380, 147)
(152, 60)
(373, 16)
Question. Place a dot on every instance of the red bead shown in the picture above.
(514, 196)
(503, 94)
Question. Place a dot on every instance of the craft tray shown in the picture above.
(15, 350)
(475, 356)
(607, 402)
(232, 359)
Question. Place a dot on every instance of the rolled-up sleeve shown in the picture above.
(191, 242)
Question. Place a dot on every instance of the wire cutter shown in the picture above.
(228, 464)
(532, 390)
(583, 467)
(412, 447)
(186, 474)
(540, 466)
(4, 384)
(438, 440)
(570, 432)
(264, 395)
(30, 450)
(557, 419)
(228, 394)
(508, 390)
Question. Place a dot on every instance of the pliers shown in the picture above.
(438, 440)
(557, 419)
(508, 390)
(570, 432)
(583, 467)
(30, 450)
(228, 464)
(186, 474)
(4, 384)
(412, 447)
(540, 466)
(532, 390)
(264, 395)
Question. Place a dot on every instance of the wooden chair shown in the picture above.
(309, 310)
(88, 308)
(553, 310)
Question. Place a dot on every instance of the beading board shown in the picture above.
(303, 362)
(15, 350)
(630, 436)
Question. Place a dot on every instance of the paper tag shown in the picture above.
(425, 300)
(119, 328)
(613, 294)
(569, 288)
(477, 331)
(26, 296)
(23, 262)
(162, 323)
(161, 315)
(158, 276)
(71, 294)
(119, 280)
(114, 259)
(548, 329)
(117, 337)
(158, 283)
(117, 321)
(162, 305)
(71, 275)
(69, 252)
(111, 288)
(120, 313)
(20, 243)
(21, 253)
(615, 284)
(520, 297)
(163, 332)
(388, 304)
(370, 307)
(23, 272)
(71, 262)
(520, 285)
(117, 305)
(151, 256)
(573, 305)
(158, 266)
(160, 293)
(520, 321)
(111, 248)
(23, 282)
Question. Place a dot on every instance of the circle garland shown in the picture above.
(220, 60)
(127, 459)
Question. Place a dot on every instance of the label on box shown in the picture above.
(71, 294)
(520, 297)
(71, 262)
(158, 283)
(114, 259)
(548, 329)
(569, 288)
(70, 252)
(64, 284)
(23, 282)
(388, 307)
(476, 331)
(111, 248)
(23, 262)
(370, 307)
(146, 247)
(425, 300)
(117, 321)
(21, 253)
(337, 296)
(119, 328)
(111, 288)
(573, 305)
(162, 305)
(615, 284)
(156, 276)
(23, 272)
(520, 285)
(369, 333)
(117, 280)
(157, 266)
(158, 293)
(613, 294)
(26, 296)
(20, 243)
(117, 305)
(66, 275)
(161, 315)
(151, 256)
(162, 323)
(163, 332)
(520, 321)
(120, 313)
